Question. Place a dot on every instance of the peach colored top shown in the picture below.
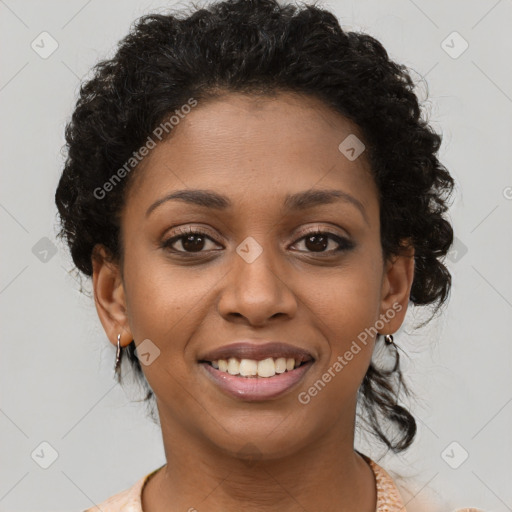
(129, 500)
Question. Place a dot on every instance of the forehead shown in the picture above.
(264, 145)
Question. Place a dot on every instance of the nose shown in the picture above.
(256, 292)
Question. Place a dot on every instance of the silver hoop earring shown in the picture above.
(385, 356)
(388, 338)
(119, 354)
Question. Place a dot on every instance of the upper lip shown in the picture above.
(257, 350)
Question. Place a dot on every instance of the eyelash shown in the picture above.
(344, 243)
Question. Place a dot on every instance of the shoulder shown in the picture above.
(388, 495)
(389, 498)
(387, 491)
(128, 500)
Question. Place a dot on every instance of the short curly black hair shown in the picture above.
(264, 47)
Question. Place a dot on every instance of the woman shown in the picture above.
(257, 200)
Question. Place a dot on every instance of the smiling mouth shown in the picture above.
(252, 368)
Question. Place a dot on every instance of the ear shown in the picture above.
(109, 297)
(396, 287)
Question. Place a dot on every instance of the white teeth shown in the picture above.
(233, 366)
(266, 368)
(248, 367)
(280, 364)
(252, 368)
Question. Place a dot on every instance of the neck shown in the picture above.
(325, 475)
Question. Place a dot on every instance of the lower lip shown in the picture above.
(256, 388)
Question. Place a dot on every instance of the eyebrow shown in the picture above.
(297, 201)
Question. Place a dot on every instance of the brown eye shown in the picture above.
(317, 242)
(191, 241)
(325, 242)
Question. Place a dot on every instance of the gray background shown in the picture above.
(56, 363)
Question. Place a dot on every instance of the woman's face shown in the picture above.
(255, 274)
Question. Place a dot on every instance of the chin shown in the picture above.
(262, 437)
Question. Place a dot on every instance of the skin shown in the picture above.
(255, 150)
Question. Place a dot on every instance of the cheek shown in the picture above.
(162, 300)
(344, 309)
(346, 301)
